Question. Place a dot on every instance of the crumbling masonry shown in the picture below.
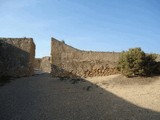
(16, 57)
(70, 62)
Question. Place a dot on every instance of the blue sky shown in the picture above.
(97, 25)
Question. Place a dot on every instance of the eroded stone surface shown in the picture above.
(16, 57)
(68, 61)
(43, 64)
(37, 63)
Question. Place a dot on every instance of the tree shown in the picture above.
(150, 64)
(135, 62)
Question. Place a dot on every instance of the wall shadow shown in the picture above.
(14, 62)
(42, 97)
(96, 103)
(4, 80)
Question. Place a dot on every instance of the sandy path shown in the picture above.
(44, 98)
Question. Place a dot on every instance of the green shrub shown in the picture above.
(63, 41)
(150, 64)
(135, 62)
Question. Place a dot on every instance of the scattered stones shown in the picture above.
(89, 88)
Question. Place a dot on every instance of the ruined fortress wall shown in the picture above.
(17, 57)
(37, 63)
(43, 64)
(68, 61)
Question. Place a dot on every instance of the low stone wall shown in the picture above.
(70, 62)
(16, 57)
(37, 63)
(43, 64)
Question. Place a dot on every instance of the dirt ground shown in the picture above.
(143, 92)
(42, 97)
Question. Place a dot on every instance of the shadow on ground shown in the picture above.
(4, 80)
(42, 97)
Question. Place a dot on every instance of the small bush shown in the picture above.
(150, 64)
(63, 41)
(135, 62)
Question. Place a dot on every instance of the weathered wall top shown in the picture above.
(65, 51)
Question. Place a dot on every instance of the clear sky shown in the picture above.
(101, 25)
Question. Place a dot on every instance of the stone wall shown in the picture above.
(43, 64)
(37, 63)
(16, 57)
(70, 62)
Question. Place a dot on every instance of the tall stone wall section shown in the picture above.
(17, 57)
(70, 62)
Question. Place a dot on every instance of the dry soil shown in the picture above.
(42, 97)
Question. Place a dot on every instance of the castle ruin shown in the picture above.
(17, 57)
(70, 62)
